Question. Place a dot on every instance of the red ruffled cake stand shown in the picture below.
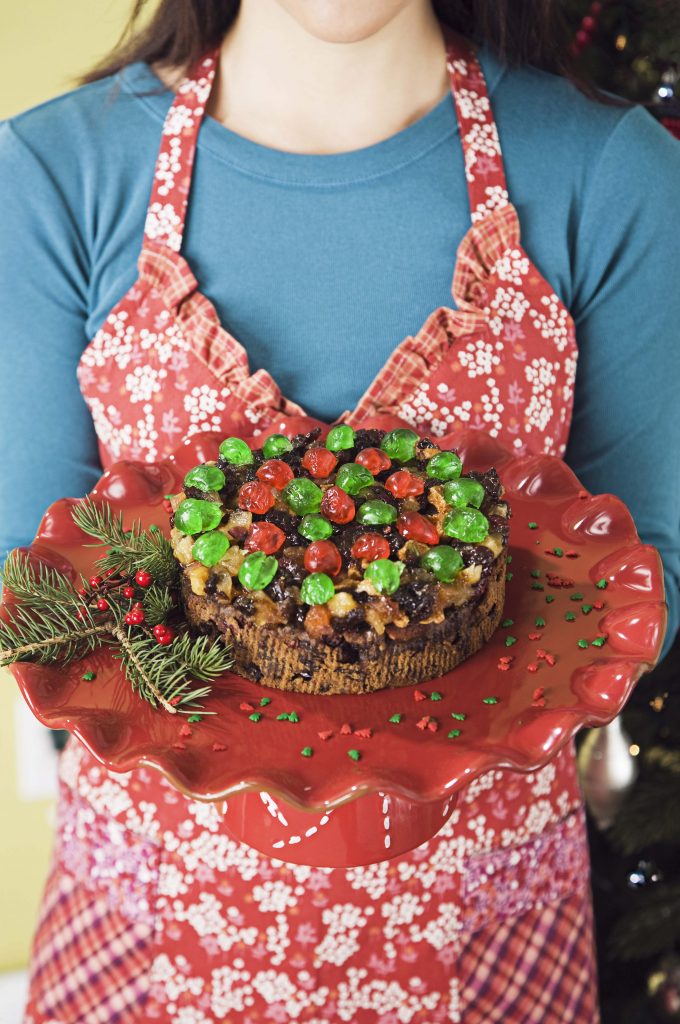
(584, 618)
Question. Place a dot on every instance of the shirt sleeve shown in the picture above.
(625, 434)
(49, 447)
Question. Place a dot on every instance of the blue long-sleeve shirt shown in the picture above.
(321, 264)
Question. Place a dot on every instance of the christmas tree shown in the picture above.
(632, 49)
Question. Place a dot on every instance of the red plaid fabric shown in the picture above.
(91, 964)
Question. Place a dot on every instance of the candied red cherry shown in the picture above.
(370, 546)
(275, 472)
(323, 556)
(337, 506)
(413, 526)
(403, 484)
(255, 497)
(264, 537)
(319, 462)
(374, 460)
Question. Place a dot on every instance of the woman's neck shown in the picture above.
(334, 89)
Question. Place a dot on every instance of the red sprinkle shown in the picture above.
(507, 658)
(185, 730)
(219, 746)
(538, 693)
(433, 725)
(550, 659)
(179, 746)
(540, 703)
(174, 701)
(535, 636)
(423, 723)
(540, 654)
(363, 734)
(532, 667)
(599, 605)
(246, 707)
(345, 729)
(503, 666)
(419, 695)
(325, 735)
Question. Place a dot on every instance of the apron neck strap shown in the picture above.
(484, 171)
(167, 209)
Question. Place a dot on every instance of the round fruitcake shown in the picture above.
(363, 561)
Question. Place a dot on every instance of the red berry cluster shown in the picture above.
(135, 616)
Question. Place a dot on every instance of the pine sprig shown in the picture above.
(53, 622)
(128, 550)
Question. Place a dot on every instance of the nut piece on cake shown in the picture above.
(366, 561)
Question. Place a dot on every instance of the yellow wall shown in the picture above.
(45, 44)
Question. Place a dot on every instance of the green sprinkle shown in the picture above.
(599, 641)
(508, 576)
(255, 717)
(532, 526)
(283, 717)
(576, 597)
(89, 676)
(506, 623)
(459, 716)
(354, 754)
(570, 617)
(306, 751)
(558, 551)
(586, 609)
(435, 695)
(539, 622)
(510, 640)
(192, 719)
(537, 586)
(490, 700)
(509, 559)
(602, 584)
(395, 719)
(451, 735)
(293, 716)
(265, 701)
(550, 598)
(535, 573)
(583, 643)
(168, 496)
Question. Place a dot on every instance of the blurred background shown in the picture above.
(630, 771)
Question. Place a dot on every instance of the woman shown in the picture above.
(347, 148)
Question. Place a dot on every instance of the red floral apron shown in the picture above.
(151, 911)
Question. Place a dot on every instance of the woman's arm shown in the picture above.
(625, 436)
(48, 442)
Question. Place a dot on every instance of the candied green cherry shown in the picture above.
(257, 570)
(340, 438)
(276, 445)
(400, 444)
(317, 588)
(463, 492)
(210, 547)
(205, 478)
(444, 561)
(376, 513)
(302, 495)
(315, 527)
(353, 478)
(194, 515)
(466, 524)
(236, 451)
(445, 466)
(384, 574)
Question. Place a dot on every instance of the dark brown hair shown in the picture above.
(521, 31)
